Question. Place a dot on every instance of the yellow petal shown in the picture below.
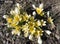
(9, 20)
(32, 30)
(50, 20)
(16, 18)
(41, 14)
(17, 27)
(38, 10)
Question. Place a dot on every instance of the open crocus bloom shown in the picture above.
(39, 9)
(50, 20)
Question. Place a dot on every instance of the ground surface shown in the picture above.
(7, 38)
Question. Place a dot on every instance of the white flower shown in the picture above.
(39, 40)
(48, 32)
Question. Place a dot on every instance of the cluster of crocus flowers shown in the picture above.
(27, 25)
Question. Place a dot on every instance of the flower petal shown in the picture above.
(34, 13)
(39, 40)
(48, 32)
(5, 16)
(48, 13)
(33, 6)
(30, 37)
(41, 6)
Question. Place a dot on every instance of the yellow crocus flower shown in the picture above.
(9, 20)
(31, 24)
(32, 30)
(50, 20)
(38, 10)
(38, 33)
